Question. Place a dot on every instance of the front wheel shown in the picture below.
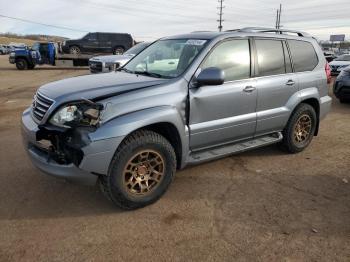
(141, 170)
(300, 129)
(74, 50)
(21, 64)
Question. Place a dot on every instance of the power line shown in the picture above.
(44, 24)
(220, 15)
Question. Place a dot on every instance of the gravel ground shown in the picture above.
(262, 205)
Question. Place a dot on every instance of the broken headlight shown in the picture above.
(77, 114)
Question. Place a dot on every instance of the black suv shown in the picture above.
(115, 43)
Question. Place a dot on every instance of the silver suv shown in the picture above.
(108, 63)
(183, 100)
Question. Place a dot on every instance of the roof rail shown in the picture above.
(271, 30)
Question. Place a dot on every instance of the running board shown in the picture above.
(222, 151)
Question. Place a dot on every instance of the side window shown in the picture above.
(91, 37)
(270, 57)
(103, 37)
(303, 55)
(287, 58)
(233, 57)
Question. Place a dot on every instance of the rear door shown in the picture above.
(106, 42)
(276, 83)
(224, 113)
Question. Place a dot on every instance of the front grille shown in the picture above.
(334, 68)
(95, 66)
(40, 106)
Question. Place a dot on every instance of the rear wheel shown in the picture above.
(21, 64)
(141, 170)
(118, 50)
(74, 50)
(300, 129)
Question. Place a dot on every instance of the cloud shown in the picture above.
(151, 19)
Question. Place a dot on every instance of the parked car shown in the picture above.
(329, 56)
(339, 63)
(16, 46)
(103, 64)
(115, 43)
(183, 100)
(4, 49)
(341, 88)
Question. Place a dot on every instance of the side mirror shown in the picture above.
(211, 76)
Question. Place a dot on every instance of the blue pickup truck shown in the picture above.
(45, 54)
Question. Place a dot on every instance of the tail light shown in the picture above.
(328, 73)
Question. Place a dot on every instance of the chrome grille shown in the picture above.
(40, 106)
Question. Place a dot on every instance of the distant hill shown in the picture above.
(6, 38)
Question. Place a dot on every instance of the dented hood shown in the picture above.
(96, 86)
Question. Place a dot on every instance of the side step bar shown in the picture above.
(222, 151)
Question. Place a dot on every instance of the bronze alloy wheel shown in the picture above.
(302, 129)
(143, 172)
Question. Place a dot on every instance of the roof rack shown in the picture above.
(270, 30)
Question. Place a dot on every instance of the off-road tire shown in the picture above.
(74, 50)
(288, 143)
(113, 186)
(21, 64)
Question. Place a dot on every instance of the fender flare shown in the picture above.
(123, 125)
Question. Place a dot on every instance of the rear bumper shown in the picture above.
(65, 49)
(97, 155)
(325, 106)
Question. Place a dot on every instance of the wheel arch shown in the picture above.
(169, 132)
(22, 57)
(164, 120)
(316, 105)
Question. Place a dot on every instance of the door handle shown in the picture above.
(249, 89)
(290, 82)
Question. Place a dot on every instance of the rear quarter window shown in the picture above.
(303, 54)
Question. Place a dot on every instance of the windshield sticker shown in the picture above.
(195, 42)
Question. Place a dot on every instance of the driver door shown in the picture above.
(224, 113)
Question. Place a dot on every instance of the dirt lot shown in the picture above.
(262, 205)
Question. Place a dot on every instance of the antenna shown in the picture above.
(220, 7)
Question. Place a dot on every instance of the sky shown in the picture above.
(151, 19)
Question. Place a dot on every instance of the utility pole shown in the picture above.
(220, 14)
(278, 17)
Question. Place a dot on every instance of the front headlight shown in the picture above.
(79, 114)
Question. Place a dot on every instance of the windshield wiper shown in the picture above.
(125, 70)
(146, 73)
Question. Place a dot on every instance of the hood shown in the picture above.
(111, 58)
(96, 87)
(339, 63)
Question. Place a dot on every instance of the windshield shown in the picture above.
(136, 49)
(166, 58)
(35, 47)
(343, 58)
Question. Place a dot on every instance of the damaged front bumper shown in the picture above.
(82, 159)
